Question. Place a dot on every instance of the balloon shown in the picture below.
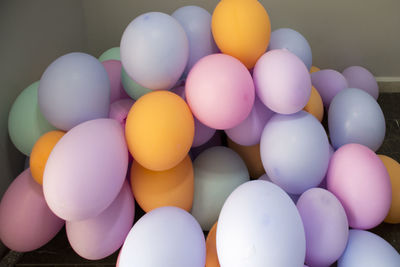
(328, 83)
(154, 189)
(259, 225)
(110, 54)
(355, 117)
(247, 42)
(159, 130)
(282, 81)
(248, 132)
(100, 236)
(41, 152)
(361, 78)
(292, 41)
(314, 69)
(168, 237)
(368, 249)
(73, 89)
(119, 110)
(196, 22)
(314, 105)
(265, 177)
(113, 68)
(154, 50)
(216, 140)
(295, 151)
(211, 248)
(393, 168)
(86, 170)
(359, 179)
(132, 88)
(325, 224)
(251, 156)
(220, 91)
(26, 122)
(26, 222)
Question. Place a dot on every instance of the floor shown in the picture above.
(59, 253)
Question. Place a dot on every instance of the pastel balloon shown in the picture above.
(220, 91)
(355, 117)
(295, 151)
(211, 248)
(154, 50)
(358, 178)
(132, 88)
(247, 42)
(325, 224)
(393, 168)
(176, 240)
(113, 68)
(26, 222)
(282, 81)
(368, 249)
(265, 177)
(110, 54)
(361, 78)
(248, 132)
(256, 219)
(196, 22)
(328, 84)
(154, 189)
(100, 236)
(159, 130)
(314, 105)
(86, 170)
(73, 89)
(217, 172)
(216, 140)
(26, 122)
(119, 110)
(41, 152)
(292, 41)
(314, 69)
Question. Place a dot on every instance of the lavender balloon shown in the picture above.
(295, 151)
(265, 177)
(216, 140)
(328, 83)
(325, 224)
(248, 132)
(361, 78)
(355, 117)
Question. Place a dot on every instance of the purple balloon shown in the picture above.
(248, 132)
(361, 78)
(113, 68)
(216, 140)
(325, 224)
(26, 222)
(99, 237)
(265, 177)
(328, 83)
(119, 110)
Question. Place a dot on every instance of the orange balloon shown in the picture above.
(154, 189)
(315, 105)
(41, 152)
(393, 168)
(314, 69)
(159, 130)
(251, 157)
(241, 29)
(211, 248)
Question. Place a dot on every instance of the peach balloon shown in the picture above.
(211, 248)
(393, 168)
(314, 105)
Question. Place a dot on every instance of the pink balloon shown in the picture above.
(328, 83)
(220, 91)
(26, 222)
(282, 81)
(119, 110)
(361, 182)
(99, 237)
(361, 78)
(113, 68)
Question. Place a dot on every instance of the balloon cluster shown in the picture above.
(150, 120)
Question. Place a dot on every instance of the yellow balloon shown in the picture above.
(314, 105)
(241, 29)
(211, 248)
(159, 130)
(314, 69)
(393, 168)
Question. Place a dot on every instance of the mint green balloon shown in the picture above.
(25, 121)
(132, 88)
(110, 54)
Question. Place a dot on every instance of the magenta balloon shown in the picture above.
(248, 132)
(86, 170)
(99, 237)
(328, 83)
(282, 81)
(119, 110)
(361, 78)
(113, 68)
(26, 222)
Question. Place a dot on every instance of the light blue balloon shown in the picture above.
(295, 151)
(368, 250)
(292, 41)
(132, 88)
(355, 117)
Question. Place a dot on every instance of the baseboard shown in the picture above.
(388, 84)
